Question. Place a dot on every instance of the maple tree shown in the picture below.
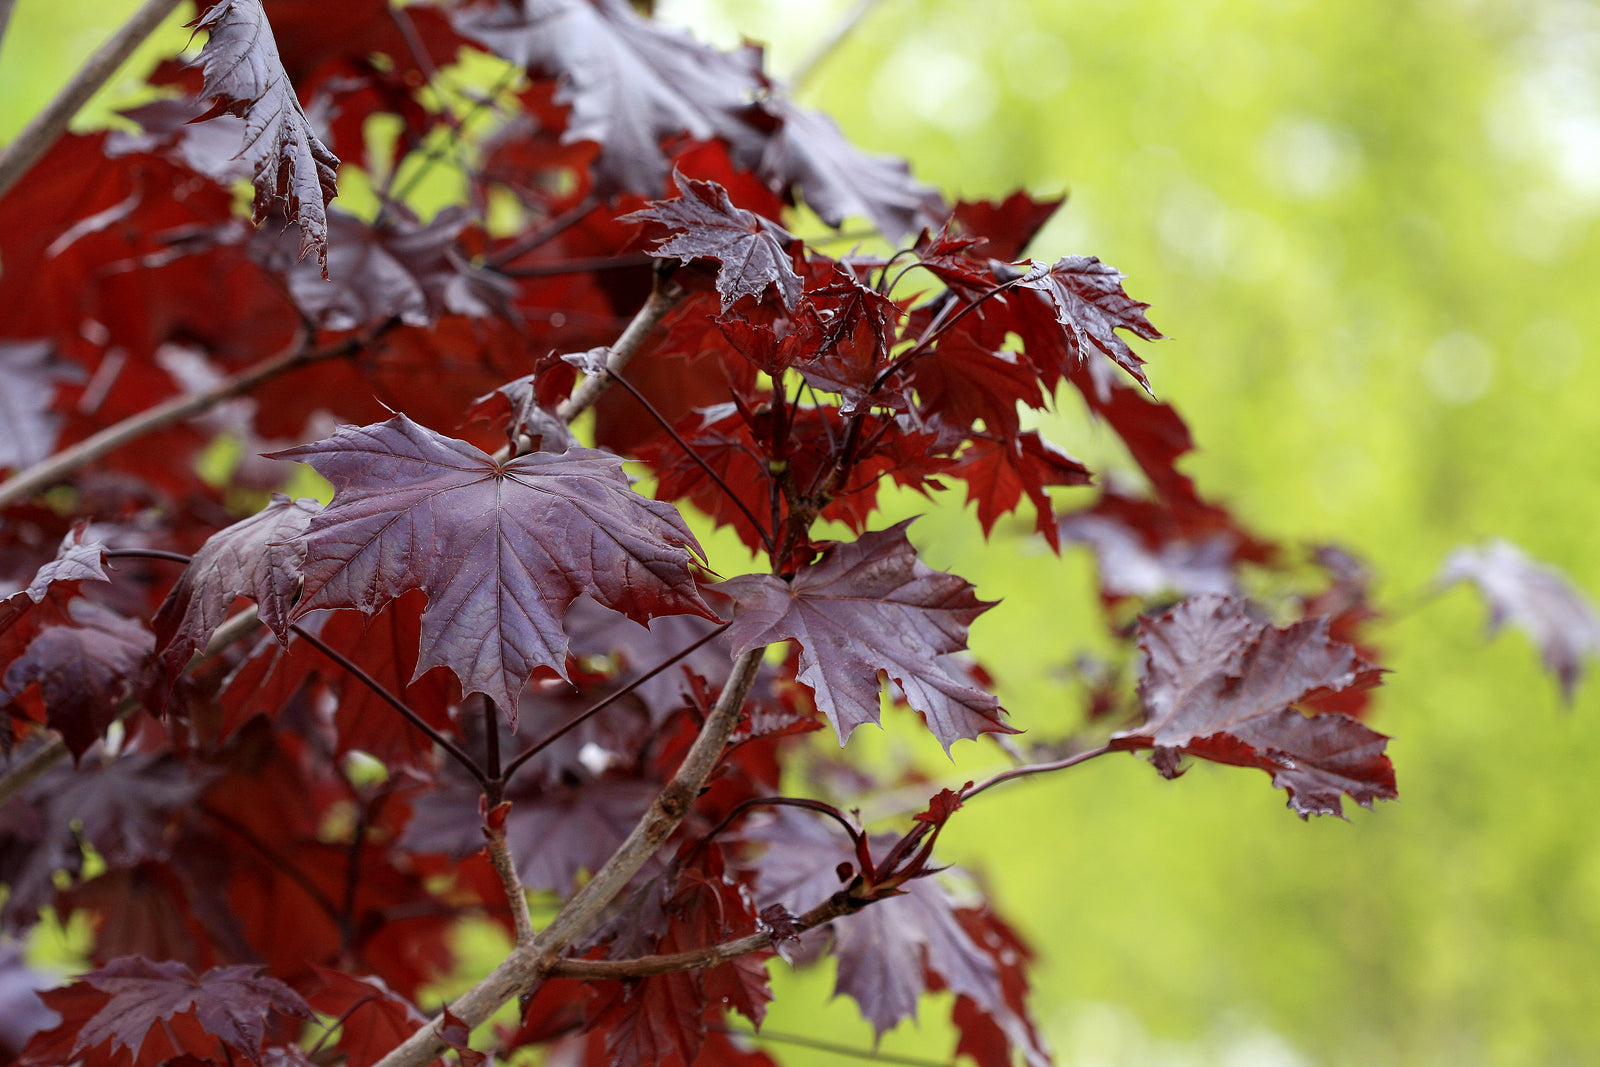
(278, 749)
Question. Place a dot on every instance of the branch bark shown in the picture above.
(529, 964)
(68, 460)
(37, 137)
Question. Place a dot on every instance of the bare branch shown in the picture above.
(1036, 768)
(834, 907)
(50, 123)
(506, 868)
(664, 296)
(56, 467)
(528, 964)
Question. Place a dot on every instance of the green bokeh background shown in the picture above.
(1369, 230)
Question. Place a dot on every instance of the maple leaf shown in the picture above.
(892, 951)
(501, 549)
(753, 251)
(865, 607)
(998, 474)
(145, 1013)
(1090, 306)
(1221, 685)
(1536, 598)
(289, 163)
(256, 557)
(631, 84)
(83, 670)
(1005, 228)
(374, 1018)
(838, 180)
(396, 268)
(29, 371)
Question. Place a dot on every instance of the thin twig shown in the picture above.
(664, 296)
(506, 867)
(552, 229)
(527, 965)
(450, 747)
(1036, 768)
(68, 460)
(600, 705)
(838, 905)
(50, 123)
(683, 446)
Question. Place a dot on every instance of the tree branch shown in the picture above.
(664, 296)
(506, 867)
(529, 964)
(840, 904)
(1036, 768)
(68, 460)
(50, 123)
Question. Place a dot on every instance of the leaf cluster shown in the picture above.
(276, 749)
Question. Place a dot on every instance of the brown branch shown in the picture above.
(50, 123)
(664, 296)
(68, 460)
(506, 867)
(528, 964)
(1036, 768)
(840, 904)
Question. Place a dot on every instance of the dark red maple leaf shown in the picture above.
(964, 382)
(120, 807)
(1090, 307)
(373, 1018)
(866, 607)
(257, 557)
(1005, 228)
(135, 1013)
(998, 474)
(396, 267)
(501, 549)
(838, 180)
(1537, 599)
(753, 251)
(631, 84)
(1221, 685)
(290, 164)
(83, 670)
(894, 950)
(29, 371)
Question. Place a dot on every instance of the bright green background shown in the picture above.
(1368, 228)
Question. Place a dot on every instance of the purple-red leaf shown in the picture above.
(1090, 306)
(396, 268)
(1537, 599)
(257, 557)
(866, 607)
(146, 1013)
(838, 180)
(1221, 685)
(501, 549)
(753, 251)
(29, 371)
(289, 163)
(631, 83)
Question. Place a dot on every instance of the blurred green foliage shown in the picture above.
(1369, 230)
